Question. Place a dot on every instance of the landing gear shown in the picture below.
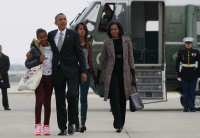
(197, 102)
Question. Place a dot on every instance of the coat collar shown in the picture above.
(67, 35)
(64, 31)
(111, 45)
(2, 55)
(53, 36)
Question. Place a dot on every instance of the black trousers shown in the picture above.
(117, 99)
(60, 94)
(4, 98)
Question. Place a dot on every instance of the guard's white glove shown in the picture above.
(179, 79)
(198, 79)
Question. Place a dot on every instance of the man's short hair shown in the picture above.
(0, 46)
(58, 15)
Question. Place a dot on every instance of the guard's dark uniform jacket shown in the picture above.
(188, 56)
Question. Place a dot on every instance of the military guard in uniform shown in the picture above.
(187, 71)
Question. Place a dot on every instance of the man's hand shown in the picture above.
(83, 77)
(0, 76)
(42, 57)
(29, 55)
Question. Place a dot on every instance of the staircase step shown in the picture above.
(154, 91)
(149, 84)
(148, 73)
(148, 70)
(148, 77)
(149, 80)
(149, 98)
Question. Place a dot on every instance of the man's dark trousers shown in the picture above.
(67, 63)
(4, 97)
(189, 93)
(60, 93)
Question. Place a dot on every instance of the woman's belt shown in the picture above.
(118, 56)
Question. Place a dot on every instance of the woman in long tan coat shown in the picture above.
(119, 74)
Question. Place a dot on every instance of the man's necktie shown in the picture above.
(60, 42)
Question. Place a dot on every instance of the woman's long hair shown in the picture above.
(84, 27)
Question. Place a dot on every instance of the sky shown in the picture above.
(19, 20)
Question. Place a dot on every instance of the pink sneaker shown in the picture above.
(38, 129)
(46, 130)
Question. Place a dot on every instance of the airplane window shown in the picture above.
(120, 14)
(114, 12)
(91, 18)
(108, 6)
(106, 17)
(152, 25)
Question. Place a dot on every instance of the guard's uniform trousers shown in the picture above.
(187, 68)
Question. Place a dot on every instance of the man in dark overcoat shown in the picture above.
(4, 80)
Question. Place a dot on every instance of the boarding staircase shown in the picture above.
(151, 85)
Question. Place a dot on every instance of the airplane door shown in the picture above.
(147, 32)
(147, 35)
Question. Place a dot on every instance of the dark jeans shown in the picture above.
(43, 97)
(189, 93)
(4, 98)
(84, 87)
(117, 99)
(60, 93)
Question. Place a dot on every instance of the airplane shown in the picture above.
(156, 29)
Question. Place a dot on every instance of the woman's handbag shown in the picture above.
(135, 102)
(31, 79)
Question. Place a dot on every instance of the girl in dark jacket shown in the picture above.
(42, 54)
(81, 28)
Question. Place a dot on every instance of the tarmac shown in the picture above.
(157, 120)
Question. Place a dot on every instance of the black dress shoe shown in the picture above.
(77, 128)
(192, 110)
(71, 129)
(185, 110)
(7, 108)
(62, 132)
(118, 130)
